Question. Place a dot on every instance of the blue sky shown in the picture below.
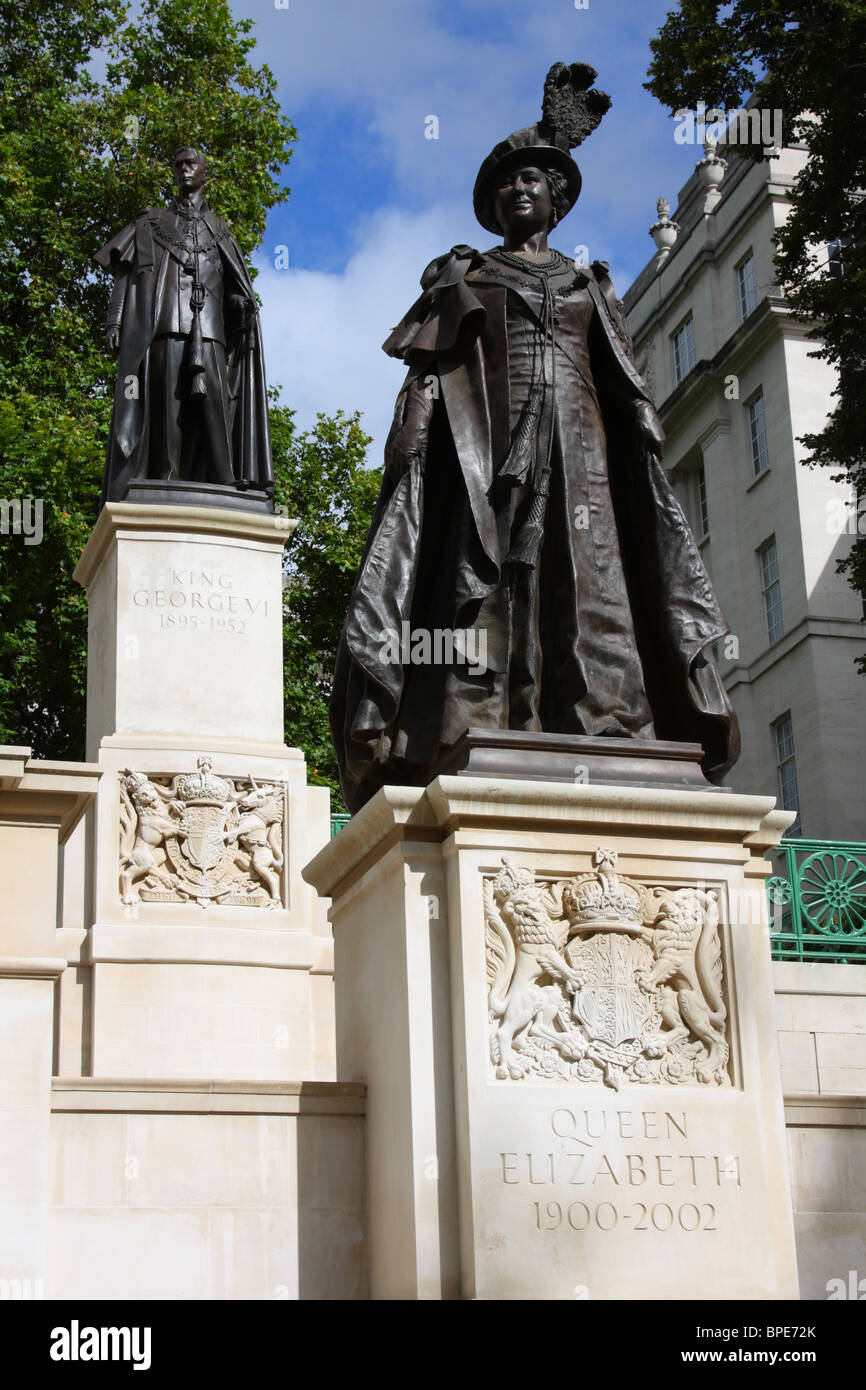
(373, 200)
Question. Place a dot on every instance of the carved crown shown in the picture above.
(203, 787)
(603, 899)
(512, 876)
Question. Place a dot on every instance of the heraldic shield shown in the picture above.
(597, 978)
(204, 829)
(197, 837)
(608, 1005)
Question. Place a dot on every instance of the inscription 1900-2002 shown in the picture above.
(582, 1161)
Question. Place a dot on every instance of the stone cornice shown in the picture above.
(720, 425)
(808, 1109)
(850, 629)
(152, 1095)
(32, 967)
(396, 814)
(762, 326)
(128, 519)
(13, 761)
(39, 793)
(770, 190)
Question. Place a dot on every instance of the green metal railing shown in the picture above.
(338, 820)
(818, 902)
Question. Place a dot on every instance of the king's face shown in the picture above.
(189, 172)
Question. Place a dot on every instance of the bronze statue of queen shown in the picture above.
(524, 497)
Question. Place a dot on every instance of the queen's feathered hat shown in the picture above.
(569, 112)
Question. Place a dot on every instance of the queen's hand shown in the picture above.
(409, 443)
(243, 308)
(648, 433)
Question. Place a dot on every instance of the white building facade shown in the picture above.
(730, 370)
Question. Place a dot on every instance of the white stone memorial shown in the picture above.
(560, 998)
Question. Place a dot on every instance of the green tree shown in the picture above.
(806, 58)
(79, 156)
(320, 480)
(49, 453)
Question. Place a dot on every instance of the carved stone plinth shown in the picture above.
(184, 623)
(181, 492)
(560, 1000)
(207, 955)
(575, 758)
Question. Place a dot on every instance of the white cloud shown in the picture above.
(323, 332)
(478, 66)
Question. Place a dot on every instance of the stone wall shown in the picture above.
(821, 1015)
(256, 1190)
(202, 1188)
(189, 1190)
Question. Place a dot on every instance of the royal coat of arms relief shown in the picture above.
(198, 837)
(597, 978)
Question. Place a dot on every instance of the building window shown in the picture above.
(771, 589)
(684, 349)
(757, 434)
(746, 285)
(789, 796)
(702, 510)
(836, 257)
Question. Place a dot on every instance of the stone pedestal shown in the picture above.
(184, 624)
(576, 758)
(560, 998)
(40, 804)
(209, 955)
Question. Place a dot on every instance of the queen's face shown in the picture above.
(522, 201)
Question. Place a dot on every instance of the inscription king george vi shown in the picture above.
(201, 838)
(597, 978)
(200, 600)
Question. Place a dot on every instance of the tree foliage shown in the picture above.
(51, 453)
(320, 480)
(806, 58)
(80, 155)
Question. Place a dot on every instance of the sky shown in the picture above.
(373, 199)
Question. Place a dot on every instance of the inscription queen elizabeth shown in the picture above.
(597, 978)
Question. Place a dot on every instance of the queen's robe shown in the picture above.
(606, 629)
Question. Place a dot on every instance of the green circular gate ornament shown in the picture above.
(779, 890)
(833, 893)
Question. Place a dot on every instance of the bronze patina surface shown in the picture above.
(190, 405)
